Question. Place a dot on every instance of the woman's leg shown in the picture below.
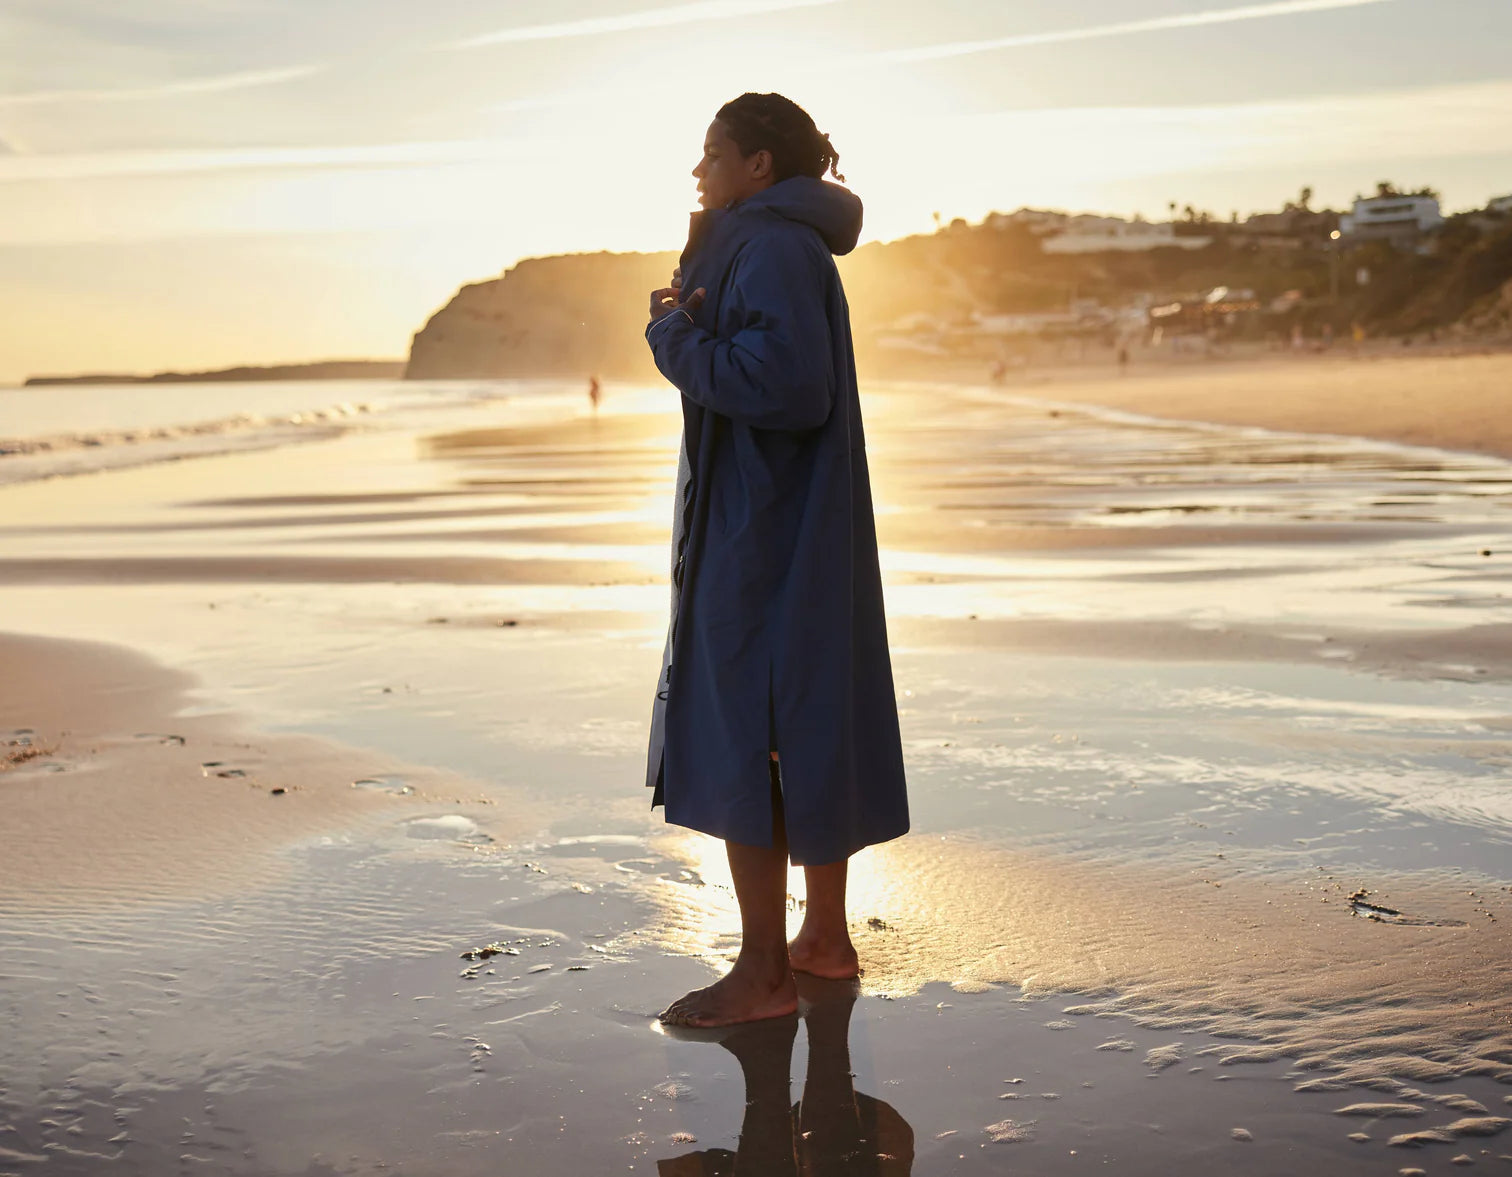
(760, 985)
(823, 945)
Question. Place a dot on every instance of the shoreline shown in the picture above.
(1448, 402)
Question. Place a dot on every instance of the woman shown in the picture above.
(775, 726)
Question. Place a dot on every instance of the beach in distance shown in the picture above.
(323, 712)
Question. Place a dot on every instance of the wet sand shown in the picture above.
(117, 791)
(1208, 734)
(1452, 403)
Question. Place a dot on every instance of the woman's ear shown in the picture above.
(761, 164)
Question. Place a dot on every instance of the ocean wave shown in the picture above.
(63, 454)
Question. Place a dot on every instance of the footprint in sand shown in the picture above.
(218, 768)
(394, 785)
(161, 738)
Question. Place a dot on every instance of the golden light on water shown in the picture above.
(972, 914)
(701, 917)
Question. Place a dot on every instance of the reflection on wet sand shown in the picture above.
(832, 1130)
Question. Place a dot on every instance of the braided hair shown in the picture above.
(770, 122)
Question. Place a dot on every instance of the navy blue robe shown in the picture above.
(778, 639)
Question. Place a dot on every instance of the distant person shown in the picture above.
(775, 727)
(595, 392)
(1123, 360)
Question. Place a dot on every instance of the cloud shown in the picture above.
(651, 18)
(209, 85)
(97, 164)
(1072, 156)
(1082, 144)
(1184, 20)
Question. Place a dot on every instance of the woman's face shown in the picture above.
(724, 175)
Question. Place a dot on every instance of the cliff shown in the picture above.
(573, 315)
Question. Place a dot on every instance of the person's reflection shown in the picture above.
(832, 1131)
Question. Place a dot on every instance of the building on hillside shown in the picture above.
(1035, 323)
(1502, 204)
(1402, 220)
(1220, 313)
(1089, 234)
(1294, 227)
(1039, 221)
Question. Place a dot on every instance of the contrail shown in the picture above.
(92, 165)
(210, 85)
(650, 18)
(1185, 20)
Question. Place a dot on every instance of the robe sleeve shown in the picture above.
(777, 370)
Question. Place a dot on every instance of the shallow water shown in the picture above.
(327, 1024)
(1142, 667)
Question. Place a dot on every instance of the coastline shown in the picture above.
(310, 370)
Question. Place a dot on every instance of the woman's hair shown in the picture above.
(770, 122)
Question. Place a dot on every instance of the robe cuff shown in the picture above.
(653, 326)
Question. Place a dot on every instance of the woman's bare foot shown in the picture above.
(752, 990)
(829, 955)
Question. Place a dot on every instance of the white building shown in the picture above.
(1398, 219)
(1030, 324)
(1089, 234)
(1038, 220)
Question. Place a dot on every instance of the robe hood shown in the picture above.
(832, 210)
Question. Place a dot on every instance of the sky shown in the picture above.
(198, 183)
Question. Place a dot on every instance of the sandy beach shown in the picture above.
(325, 849)
(1453, 402)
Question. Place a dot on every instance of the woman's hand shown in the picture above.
(668, 299)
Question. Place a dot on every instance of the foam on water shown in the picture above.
(52, 431)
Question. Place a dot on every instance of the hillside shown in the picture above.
(576, 314)
(583, 314)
